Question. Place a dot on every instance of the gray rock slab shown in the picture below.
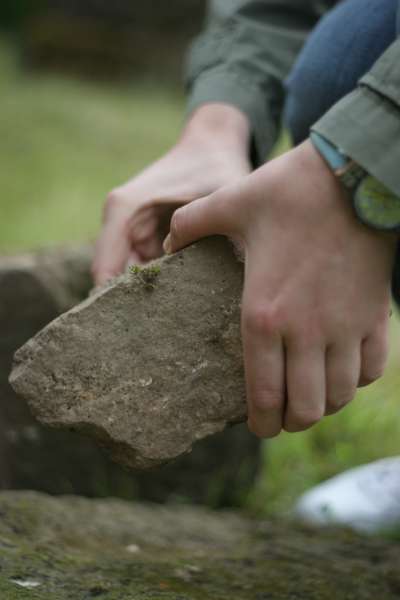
(148, 365)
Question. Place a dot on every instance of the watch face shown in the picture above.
(376, 205)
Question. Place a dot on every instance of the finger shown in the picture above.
(149, 249)
(343, 364)
(144, 251)
(112, 249)
(264, 363)
(264, 367)
(374, 354)
(206, 216)
(134, 259)
(305, 384)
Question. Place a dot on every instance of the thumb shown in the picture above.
(201, 218)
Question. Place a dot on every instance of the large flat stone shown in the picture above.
(150, 364)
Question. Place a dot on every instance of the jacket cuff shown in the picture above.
(219, 85)
(365, 125)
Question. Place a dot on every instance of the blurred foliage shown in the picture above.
(112, 40)
(65, 145)
(14, 12)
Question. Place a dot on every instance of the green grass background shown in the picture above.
(64, 145)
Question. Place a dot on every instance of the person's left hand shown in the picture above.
(316, 298)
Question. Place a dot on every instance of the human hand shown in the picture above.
(316, 297)
(212, 151)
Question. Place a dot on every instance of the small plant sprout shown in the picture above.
(147, 275)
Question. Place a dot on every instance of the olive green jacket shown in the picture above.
(247, 51)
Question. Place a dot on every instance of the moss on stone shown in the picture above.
(146, 275)
(113, 550)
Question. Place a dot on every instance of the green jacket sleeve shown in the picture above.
(366, 123)
(244, 55)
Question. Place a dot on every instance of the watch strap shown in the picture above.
(347, 170)
(374, 204)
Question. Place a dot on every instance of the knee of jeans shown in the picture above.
(308, 94)
(325, 71)
(310, 90)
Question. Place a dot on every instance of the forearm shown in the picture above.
(219, 125)
(243, 58)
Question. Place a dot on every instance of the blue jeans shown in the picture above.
(340, 50)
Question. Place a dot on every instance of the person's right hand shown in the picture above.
(212, 152)
(316, 297)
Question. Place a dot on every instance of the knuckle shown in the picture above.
(255, 429)
(114, 198)
(335, 406)
(263, 427)
(115, 201)
(339, 400)
(302, 420)
(383, 315)
(263, 432)
(371, 375)
(266, 401)
(262, 319)
(177, 224)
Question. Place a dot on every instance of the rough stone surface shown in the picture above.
(71, 548)
(35, 288)
(149, 365)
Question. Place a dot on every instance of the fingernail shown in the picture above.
(167, 245)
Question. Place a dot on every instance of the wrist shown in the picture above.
(341, 198)
(219, 126)
(374, 204)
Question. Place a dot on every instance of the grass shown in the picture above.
(65, 144)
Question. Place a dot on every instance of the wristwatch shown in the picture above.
(374, 204)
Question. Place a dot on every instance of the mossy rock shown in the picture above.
(74, 548)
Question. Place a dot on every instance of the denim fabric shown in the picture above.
(340, 50)
(398, 21)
